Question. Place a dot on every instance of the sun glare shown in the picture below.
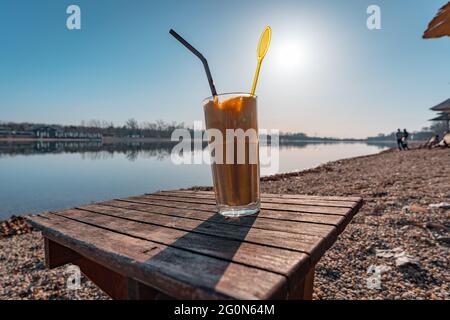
(292, 56)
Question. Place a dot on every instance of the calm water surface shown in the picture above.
(36, 177)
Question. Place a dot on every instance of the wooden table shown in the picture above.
(173, 244)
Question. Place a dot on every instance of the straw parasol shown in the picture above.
(442, 107)
(443, 117)
(440, 25)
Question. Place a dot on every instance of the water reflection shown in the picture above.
(97, 150)
(92, 150)
(37, 176)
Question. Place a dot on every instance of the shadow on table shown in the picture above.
(201, 257)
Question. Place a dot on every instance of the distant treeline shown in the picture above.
(131, 128)
(288, 136)
(162, 129)
(423, 134)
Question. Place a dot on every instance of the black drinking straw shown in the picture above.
(200, 56)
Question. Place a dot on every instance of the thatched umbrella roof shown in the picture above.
(442, 117)
(440, 25)
(444, 106)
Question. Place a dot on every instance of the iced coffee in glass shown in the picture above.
(232, 130)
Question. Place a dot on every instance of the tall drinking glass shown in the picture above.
(232, 127)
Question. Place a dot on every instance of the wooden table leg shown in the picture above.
(309, 284)
(114, 284)
(57, 255)
(304, 290)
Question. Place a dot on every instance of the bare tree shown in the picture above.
(132, 124)
(107, 124)
(93, 123)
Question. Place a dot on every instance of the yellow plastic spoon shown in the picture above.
(263, 46)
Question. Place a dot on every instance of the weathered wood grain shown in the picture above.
(173, 243)
(176, 272)
(314, 246)
(316, 229)
(340, 220)
(282, 196)
(269, 198)
(189, 210)
(286, 262)
(264, 205)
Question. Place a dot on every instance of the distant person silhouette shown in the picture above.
(399, 136)
(405, 140)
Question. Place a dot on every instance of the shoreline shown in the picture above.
(396, 218)
(107, 139)
(13, 140)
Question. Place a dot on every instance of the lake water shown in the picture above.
(41, 176)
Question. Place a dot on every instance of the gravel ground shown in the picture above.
(396, 232)
(395, 222)
(24, 275)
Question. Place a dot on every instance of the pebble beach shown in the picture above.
(400, 236)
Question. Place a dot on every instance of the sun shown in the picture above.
(291, 56)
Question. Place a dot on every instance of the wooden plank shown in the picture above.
(175, 272)
(188, 210)
(314, 246)
(151, 225)
(285, 262)
(264, 205)
(339, 219)
(264, 198)
(351, 207)
(195, 204)
(253, 221)
(345, 214)
(283, 196)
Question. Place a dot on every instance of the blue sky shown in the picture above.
(325, 72)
